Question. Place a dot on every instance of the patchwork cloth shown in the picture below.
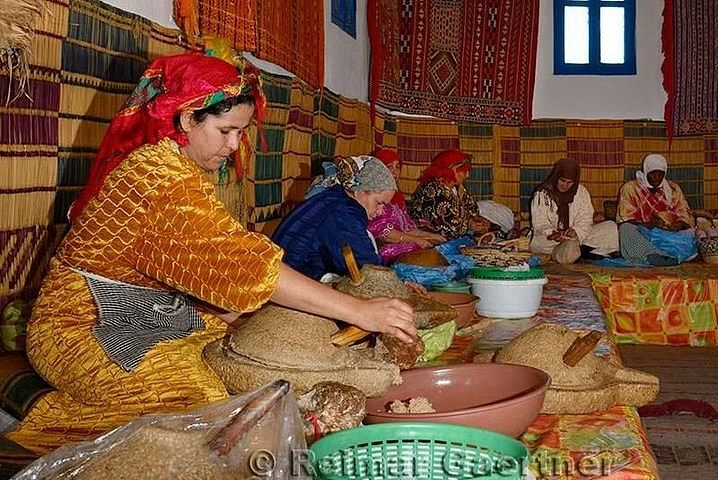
(659, 305)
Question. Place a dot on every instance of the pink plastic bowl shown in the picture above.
(504, 398)
(463, 303)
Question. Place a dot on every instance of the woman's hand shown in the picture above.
(387, 315)
(417, 288)
(656, 222)
(422, 242)
(569, 233)
(432, 237)
(229, 317)
(437, 238)
(676, 227)
(554, 236)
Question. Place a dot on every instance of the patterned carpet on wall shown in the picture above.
(689, 43)
(682, 423)
(472, 60)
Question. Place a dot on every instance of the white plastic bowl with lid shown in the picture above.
(507, 293)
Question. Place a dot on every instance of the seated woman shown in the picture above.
(337, 211)
(562, 218)
(651, 213)
(441, 203)
(500, 217)
(393, 226)
(114, 329)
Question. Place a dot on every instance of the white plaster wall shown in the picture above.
(159, 11)
(603, 97)
(346, 66)
(346, 60)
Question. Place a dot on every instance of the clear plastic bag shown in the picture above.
(255, 435)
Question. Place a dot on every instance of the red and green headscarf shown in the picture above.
(445, 165)
(169, 85)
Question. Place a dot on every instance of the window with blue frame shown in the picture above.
(344, 16)
(594, 37)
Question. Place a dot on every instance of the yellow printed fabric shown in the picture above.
(156, 223)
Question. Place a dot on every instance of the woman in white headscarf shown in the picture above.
(652, 202)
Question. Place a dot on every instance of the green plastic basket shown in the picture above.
(499, 273)
(427, 451)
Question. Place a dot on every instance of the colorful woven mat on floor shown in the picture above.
(666, 306)
(610, 444)
(568, 300)
(582, 312)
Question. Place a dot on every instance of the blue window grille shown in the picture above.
(594, 37)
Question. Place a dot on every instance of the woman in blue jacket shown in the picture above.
(337, 210)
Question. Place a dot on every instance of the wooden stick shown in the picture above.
(581, 347)
(350, 334)
(248, 417)
(351, 262)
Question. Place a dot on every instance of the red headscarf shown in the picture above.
(567, 168)
(169, 85)
(388, 157)
(445, 164)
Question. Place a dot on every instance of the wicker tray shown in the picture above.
(504, 254)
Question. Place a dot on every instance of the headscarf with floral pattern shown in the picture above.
(169, 85)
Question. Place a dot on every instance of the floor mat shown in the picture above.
(686, 444)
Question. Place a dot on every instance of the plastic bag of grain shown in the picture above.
(258, 434)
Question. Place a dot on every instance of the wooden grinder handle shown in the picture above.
(351, 262)
(350, 334)
(249, 416)
(581, 347)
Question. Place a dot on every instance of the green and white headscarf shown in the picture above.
(358, 173)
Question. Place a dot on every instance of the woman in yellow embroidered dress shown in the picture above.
(112, 329)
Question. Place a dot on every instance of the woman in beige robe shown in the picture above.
(562, 218)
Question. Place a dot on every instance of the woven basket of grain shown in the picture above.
(592, 384)
(708, 244)
(708, 249)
